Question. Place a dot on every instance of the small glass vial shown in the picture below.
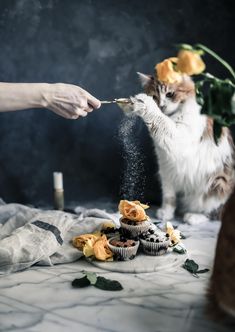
(58, 191)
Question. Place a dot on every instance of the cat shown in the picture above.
(197, 175)
(222, 287)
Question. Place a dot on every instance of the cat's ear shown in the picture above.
(145, 80)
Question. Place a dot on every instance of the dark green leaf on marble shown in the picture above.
(191, 266)
(203, 271)
(107, 284)
(81, 283)
(179, 250)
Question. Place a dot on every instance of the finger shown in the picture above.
(61, 113)
(65, 111)
(94, 102)
(81, 112)
(89, 109)
(74, 117)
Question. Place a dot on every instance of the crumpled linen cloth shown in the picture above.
(30, 236)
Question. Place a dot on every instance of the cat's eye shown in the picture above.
(170, 94)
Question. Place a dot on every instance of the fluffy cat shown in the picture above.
(196, 173)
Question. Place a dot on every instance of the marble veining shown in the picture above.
(42, 299)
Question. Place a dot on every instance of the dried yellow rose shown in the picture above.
(190, 63)
(80, 241)
(93, 245)
(166, 72)
(101, 249)
(174, 234)
(133, 210)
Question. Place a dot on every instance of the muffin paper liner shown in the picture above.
(124, 254)
(154, 248)
(136, 230)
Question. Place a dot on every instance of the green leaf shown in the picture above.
(191, 266)
(107, 284)
(185, 47)
(91, 276)
(179, 249)
(203, 271)
(81, 283)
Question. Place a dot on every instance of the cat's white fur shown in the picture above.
(185, 161)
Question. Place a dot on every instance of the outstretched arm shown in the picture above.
(67, 100)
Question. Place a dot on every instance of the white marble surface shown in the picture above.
(42, 299)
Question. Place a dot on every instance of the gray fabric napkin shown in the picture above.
(30, 236)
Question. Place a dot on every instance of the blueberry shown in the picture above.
(151, 231)
(133, 244)
(125, 245)
(167, 235)
(151, 240)
(157, 240)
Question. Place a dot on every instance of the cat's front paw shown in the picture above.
(165, 214)
(143, 103)
(195, 218)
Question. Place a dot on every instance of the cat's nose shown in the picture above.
(162, 107)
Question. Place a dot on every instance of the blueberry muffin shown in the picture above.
(123, 249)
(154, 242)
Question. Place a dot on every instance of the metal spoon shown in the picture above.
(117, 101)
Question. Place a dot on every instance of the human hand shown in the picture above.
(68, 100)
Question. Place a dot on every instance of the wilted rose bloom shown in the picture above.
(173, 233)
(134, 210)
(80, 241)
(101, 249)
(93, 245)
(166, 72)
(190, 63)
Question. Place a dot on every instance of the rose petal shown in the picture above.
(166, 72)
(190, 63)
(101, 249)
(133, 210)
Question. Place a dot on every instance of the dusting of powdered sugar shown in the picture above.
(133, 175)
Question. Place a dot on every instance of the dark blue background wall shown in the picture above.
(98, 45)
